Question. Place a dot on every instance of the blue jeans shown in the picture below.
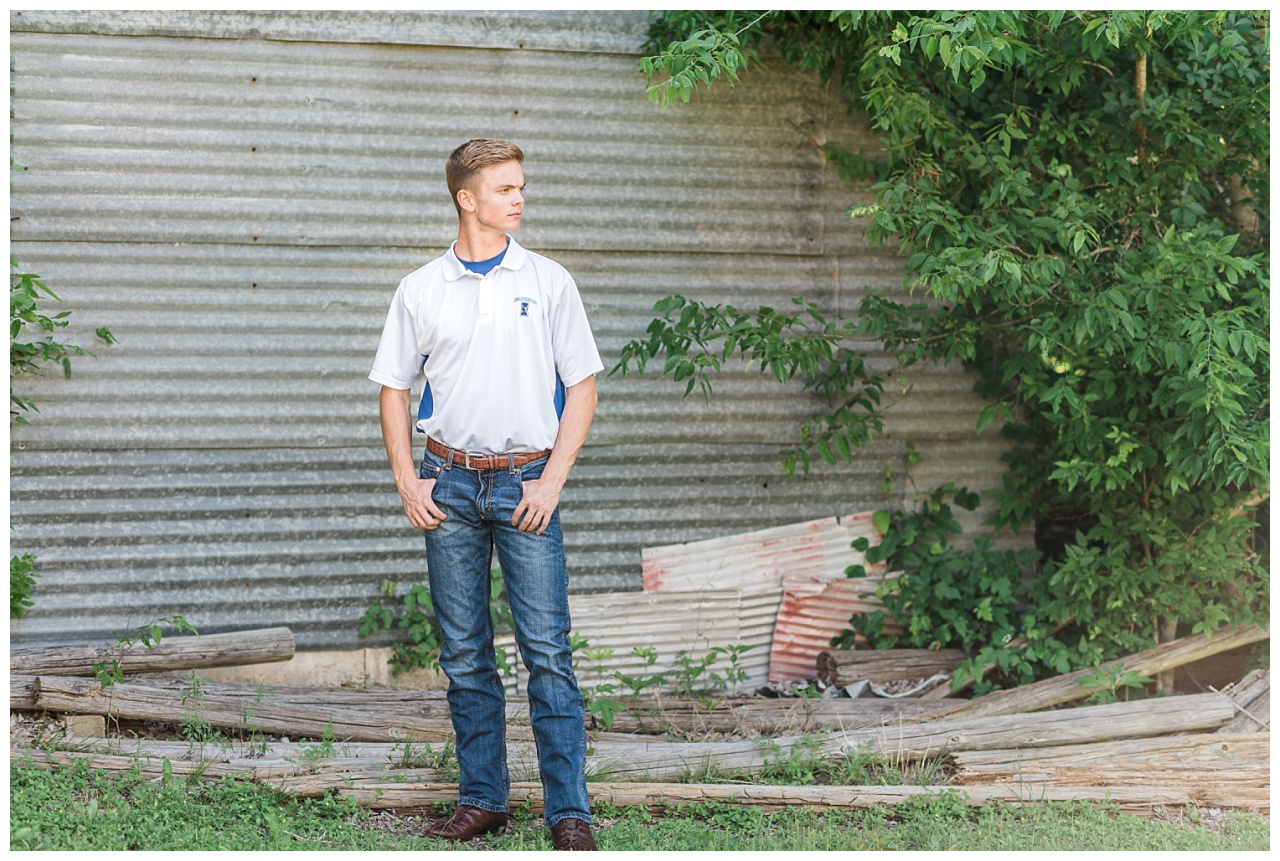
(479, 506)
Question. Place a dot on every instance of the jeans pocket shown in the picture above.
(532, 470)
(431, 467)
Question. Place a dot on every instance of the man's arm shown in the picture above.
(397, 435)
(541, 496)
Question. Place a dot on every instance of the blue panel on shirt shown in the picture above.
(427, 405)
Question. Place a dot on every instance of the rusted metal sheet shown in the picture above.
(812, 611)
(816, 549)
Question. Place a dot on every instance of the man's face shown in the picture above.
(498, 196)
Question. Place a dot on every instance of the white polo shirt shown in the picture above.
(492, 349)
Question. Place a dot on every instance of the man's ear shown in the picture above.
(466, 200)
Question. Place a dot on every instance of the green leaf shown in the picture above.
(880, 520)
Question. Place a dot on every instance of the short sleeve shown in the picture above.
(399, 360)
(572, 344)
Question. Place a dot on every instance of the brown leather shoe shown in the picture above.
(468, 822)
(572, 835)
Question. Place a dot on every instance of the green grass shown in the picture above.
(76, 808)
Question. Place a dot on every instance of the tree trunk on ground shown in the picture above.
(171, 653)
(842, 668)
(653, 715)
(646, 761)
(400, 792)
(1067, 688)
(1207, 760)
(783, 716)
(342, 715)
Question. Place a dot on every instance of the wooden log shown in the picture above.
(344, 716)
(650, 715)
(913, 741)
(1145, 800)
(1194, 713)
(1067, 688)
(22, 693)
(171, 653)
(303, 778)
(410, 789)
(1202, 760)
(841, 668)
(1252, 699)
(764, 717)
(650, 761)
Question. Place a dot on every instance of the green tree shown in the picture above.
(1082, 200)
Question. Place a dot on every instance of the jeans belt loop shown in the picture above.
(448, 460)
(511, 464)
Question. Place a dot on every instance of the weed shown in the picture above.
(109, 671)
(415, 616)
(798, 765)
(1109, 680)
(314, 754)
(736, 674)
(22, 580)
(600, 707)
(636, 684)
(196, 728)
(411, 754)
(257, 746)
(444, 761)
(688, 672)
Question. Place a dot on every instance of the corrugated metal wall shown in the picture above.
(236, 196)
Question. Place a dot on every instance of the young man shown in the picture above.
(503, 341)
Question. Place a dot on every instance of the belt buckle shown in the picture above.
(466, 462)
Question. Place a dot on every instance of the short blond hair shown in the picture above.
(466, 161)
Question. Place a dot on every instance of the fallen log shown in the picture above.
(1147, 718)
(1252, 698)
(301, 777)
(1067, 688)
(171, 653)
(342, 715)
(1146, 800)
(22, 693)
(649, 715)
(650, 761)
(400, 791)
(841, 668)
(1202, 760)
(345, 719)
(762, 717)
(914, 741)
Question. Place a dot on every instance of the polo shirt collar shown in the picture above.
(454, 268)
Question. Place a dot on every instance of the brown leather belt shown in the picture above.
(484, 462)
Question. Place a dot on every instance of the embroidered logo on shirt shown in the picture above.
(525, 302)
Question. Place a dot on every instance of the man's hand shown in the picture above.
(533, 514)
(418, 504)
(542, 495)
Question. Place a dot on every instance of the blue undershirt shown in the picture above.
(484, 266)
